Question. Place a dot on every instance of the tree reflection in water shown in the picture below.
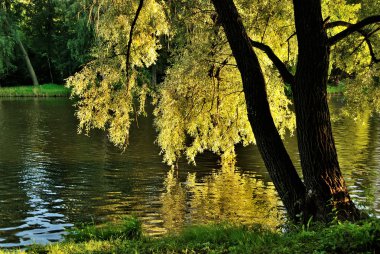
(227, 195)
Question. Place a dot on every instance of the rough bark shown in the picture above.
(269, 143)
(327, 194)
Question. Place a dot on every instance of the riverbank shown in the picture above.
(126, 237)
(46, 90)
(54, 90)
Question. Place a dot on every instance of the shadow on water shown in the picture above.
(51, 178)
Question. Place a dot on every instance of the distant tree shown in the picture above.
(6, 53)
(60, 35)
(11, 30)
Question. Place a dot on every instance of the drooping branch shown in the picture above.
(281, 67)
(221, 63)
(369, 44)
(371, 52)
(366, 36)
(350, 29)
(127, 64)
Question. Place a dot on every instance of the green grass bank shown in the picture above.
(126, 237)
(54, 90)
(336, 89)
(46, 90)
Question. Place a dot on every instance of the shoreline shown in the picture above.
(126, 236)
(44, 90)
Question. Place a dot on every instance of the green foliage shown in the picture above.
(81, 39)
(6, 55)
(107, 85)
(7, 44)
(6, 49)
(353, 56)
(336, 89)
(47, 90)
(361, 237)
(129, 228)
(55, 33)
(59, 36)
(363, 93)
(200, 105)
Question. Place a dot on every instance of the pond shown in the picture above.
(52, 179)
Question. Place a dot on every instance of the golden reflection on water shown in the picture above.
(226, 195)
(360, 137)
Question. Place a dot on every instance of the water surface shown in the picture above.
(51, 178)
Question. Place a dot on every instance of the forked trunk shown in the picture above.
(326, 191)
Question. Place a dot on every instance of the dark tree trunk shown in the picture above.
(50, 72)
(276, 158)
(325, 186)
(153, 80)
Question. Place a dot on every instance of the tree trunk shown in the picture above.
(50, 72)
(28, 63)
(269, 143)
(325, 187)
(23, 50)
(153, 81)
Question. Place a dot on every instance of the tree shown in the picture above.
(6, 53)
(325, 187)
(203, 104)
(59, 35)
(12, 31)
(41, 27)
(56, 36)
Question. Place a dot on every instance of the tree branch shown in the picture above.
(363, 33)
(371, 52)
(287, 77)
(127, 64)
(350, 29)
(221, 63)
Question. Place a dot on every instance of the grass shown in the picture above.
(331, 89)
(126, 237)
(336, 89)
(53, 90)
(47, 90)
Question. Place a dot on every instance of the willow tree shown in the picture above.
(206, 103)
